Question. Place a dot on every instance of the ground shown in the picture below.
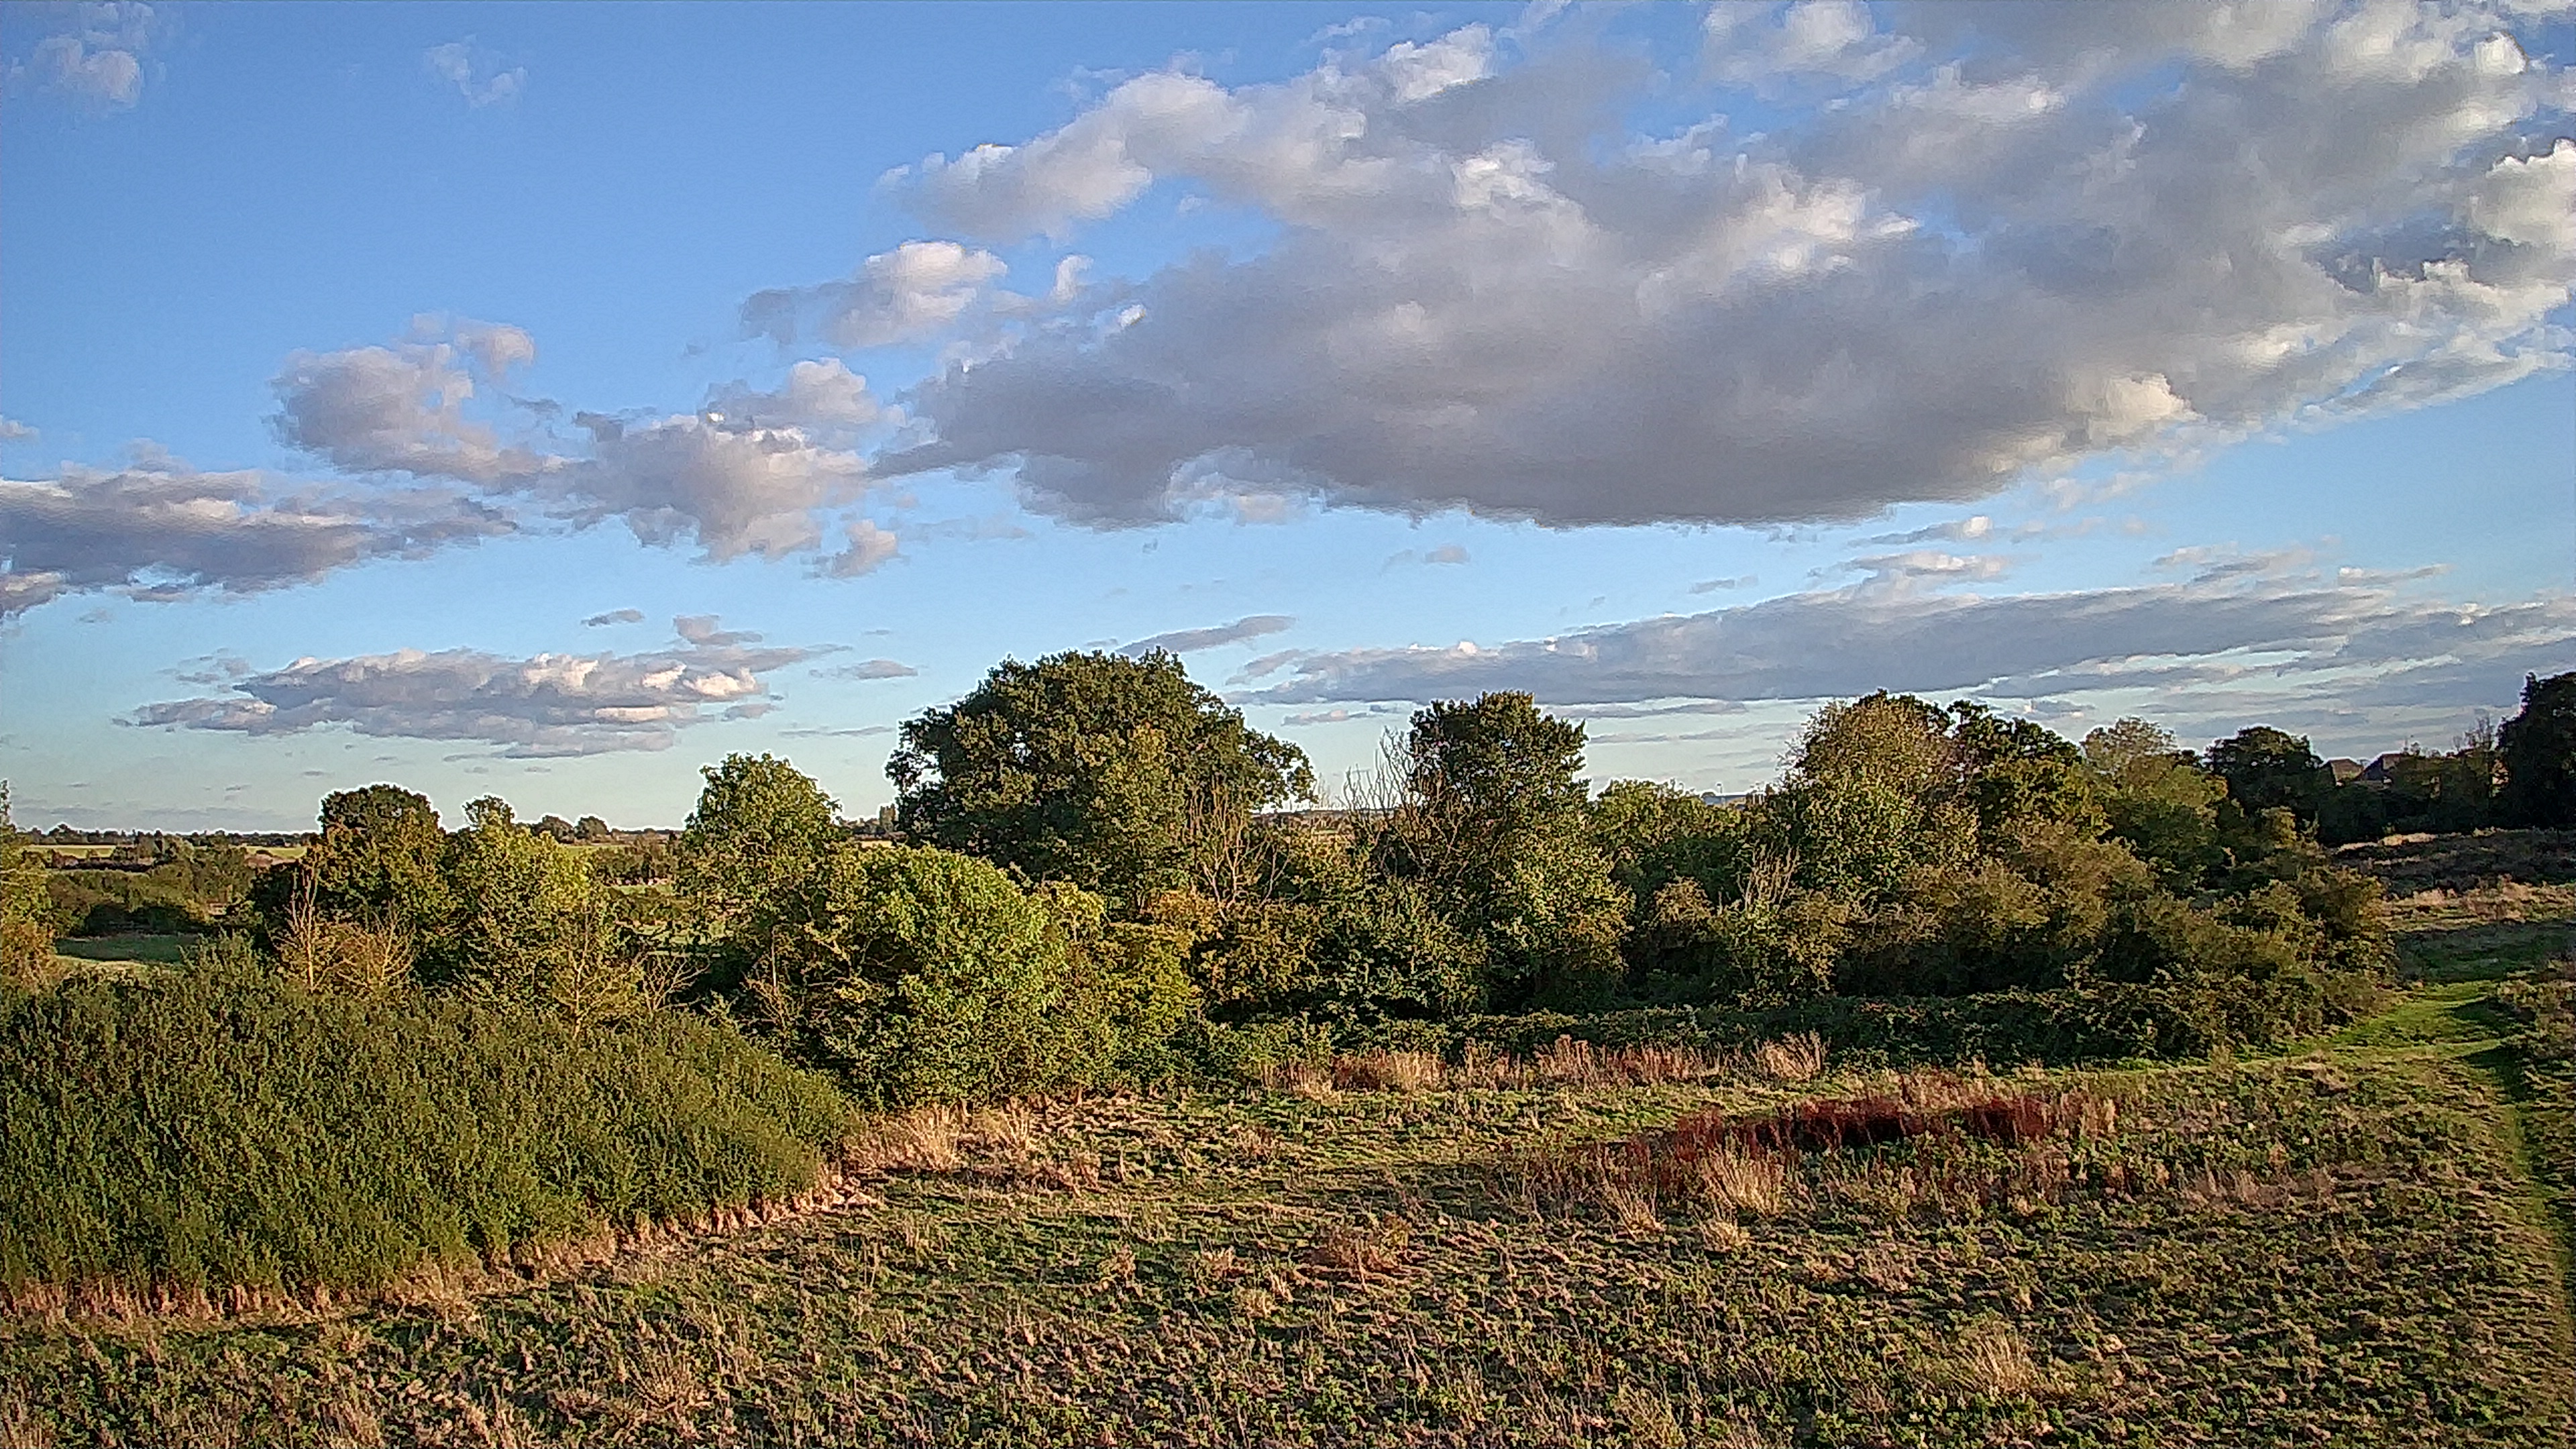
(2359, 1241)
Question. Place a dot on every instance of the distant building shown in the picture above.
(2344, 771)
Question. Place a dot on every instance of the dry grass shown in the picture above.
(1385, 1071)
(1792, 1058)
(1991, 1359)
(1361, 1253)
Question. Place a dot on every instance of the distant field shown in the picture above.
(147, 950)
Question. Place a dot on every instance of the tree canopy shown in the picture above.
(1115, 774)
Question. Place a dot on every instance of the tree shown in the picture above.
(26, 944)
(2537, 748)
(760, 829)
(2157, 799)
(2267, 769)
(1496, 829)
(529, 917)
(378, 862)
(1115, 774)
(917, 974)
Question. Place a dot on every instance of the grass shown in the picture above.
(185, 1140)
(2351, 1243)
(136, 949)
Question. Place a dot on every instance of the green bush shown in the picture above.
(211, 1128)
(919, 975)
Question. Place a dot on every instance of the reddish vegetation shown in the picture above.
(1833, 1124)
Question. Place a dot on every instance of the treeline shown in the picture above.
(1099, 883)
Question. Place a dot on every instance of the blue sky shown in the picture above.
(546, 400)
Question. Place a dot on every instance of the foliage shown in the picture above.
(377, 861)
(760, 831)
(2269, 769)
(1115, 774)
(26, 934)
(2537, 748)
(220, 1127)
(919, 975)
(2158, 801)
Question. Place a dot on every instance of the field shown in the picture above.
(2360, 1241)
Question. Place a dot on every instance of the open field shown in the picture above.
(2345, 1244)
(137, 949)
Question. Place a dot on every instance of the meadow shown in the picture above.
(2359, 1238)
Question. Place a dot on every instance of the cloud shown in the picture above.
(1875, 636)
(744, 476)
(1929, 564)
(97, 62)
(14, 431)
(402, 408)
(545, 706)
(1711, 586)
(869, 547)
(614, 616)
(870, 669)
(1447, 553)
(915, 291)
(1958, 530)
(163, 530)
(1187, 641)
(2018, 238)
(462, 65)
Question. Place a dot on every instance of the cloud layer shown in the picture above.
(2375, 645)
(549, 705)
(1983, 243)
(162, 529)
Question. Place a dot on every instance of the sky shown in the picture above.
(547, 401)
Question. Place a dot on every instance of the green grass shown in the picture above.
(2353, 1243)
(189, 1134)
(147, 950)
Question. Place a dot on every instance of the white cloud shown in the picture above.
(2020, 237)
(96, 61)
(918, 290)
(1188, 641)
(869, 547)
(14, 431)
(475, 74)
(548, 705)
(162, 530)
(614, 616)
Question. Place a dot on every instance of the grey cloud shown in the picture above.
(871, 669)
(2025, 241)
(1851, 641)
(745, 481)
(548, 705)
(164, 530)
(1711, 586)
(615, 616)
(1185, 641)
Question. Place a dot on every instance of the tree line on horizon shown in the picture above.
(1096, 874)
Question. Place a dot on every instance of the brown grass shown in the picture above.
(1385, 1071)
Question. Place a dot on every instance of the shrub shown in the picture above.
(919, 975)
(210, 1129)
